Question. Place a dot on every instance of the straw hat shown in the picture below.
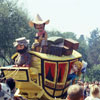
(21, 41)
(38, 20)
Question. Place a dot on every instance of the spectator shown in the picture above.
(86, 91)
(94, 93)
(75, 92)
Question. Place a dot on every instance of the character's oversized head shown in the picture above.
(77, 67)
(21, 44)
(38, 23)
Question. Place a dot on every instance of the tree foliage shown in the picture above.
(13, 24)
(93, 74)
(93, 55)
(94, 47)
(83, 47)
(64, 35)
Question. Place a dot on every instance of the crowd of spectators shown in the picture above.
(84, 91)
(79, 91)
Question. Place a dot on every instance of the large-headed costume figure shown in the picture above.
(41, 35)
(75, 71)
(23, 58)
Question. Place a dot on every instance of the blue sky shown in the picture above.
(78, 16)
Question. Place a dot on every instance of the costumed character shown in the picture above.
(75, 71)
(7, 90)
(22, 57)
(41, 36)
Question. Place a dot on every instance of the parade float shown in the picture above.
(47, 78)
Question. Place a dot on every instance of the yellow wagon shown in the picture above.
(46, 79)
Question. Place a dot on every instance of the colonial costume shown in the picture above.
(75, 71)
(23, 58)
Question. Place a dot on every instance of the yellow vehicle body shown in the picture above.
(46, 79)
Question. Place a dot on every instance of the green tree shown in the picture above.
(93, 74)
(54, 33)
(93, 56)
(94, 47)
(69, 35)
(64, 35)
(13, 24)
(83, 47)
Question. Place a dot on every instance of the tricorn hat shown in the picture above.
(21, 41)
(38, 20)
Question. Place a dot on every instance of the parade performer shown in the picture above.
(41, 36)
(75, 70)
(7, 89)
(22, 57)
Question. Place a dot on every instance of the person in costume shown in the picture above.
(75, 92)
(41, 35)
(7, 89)
(22, 57)
(94, 93)
(75, 70)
